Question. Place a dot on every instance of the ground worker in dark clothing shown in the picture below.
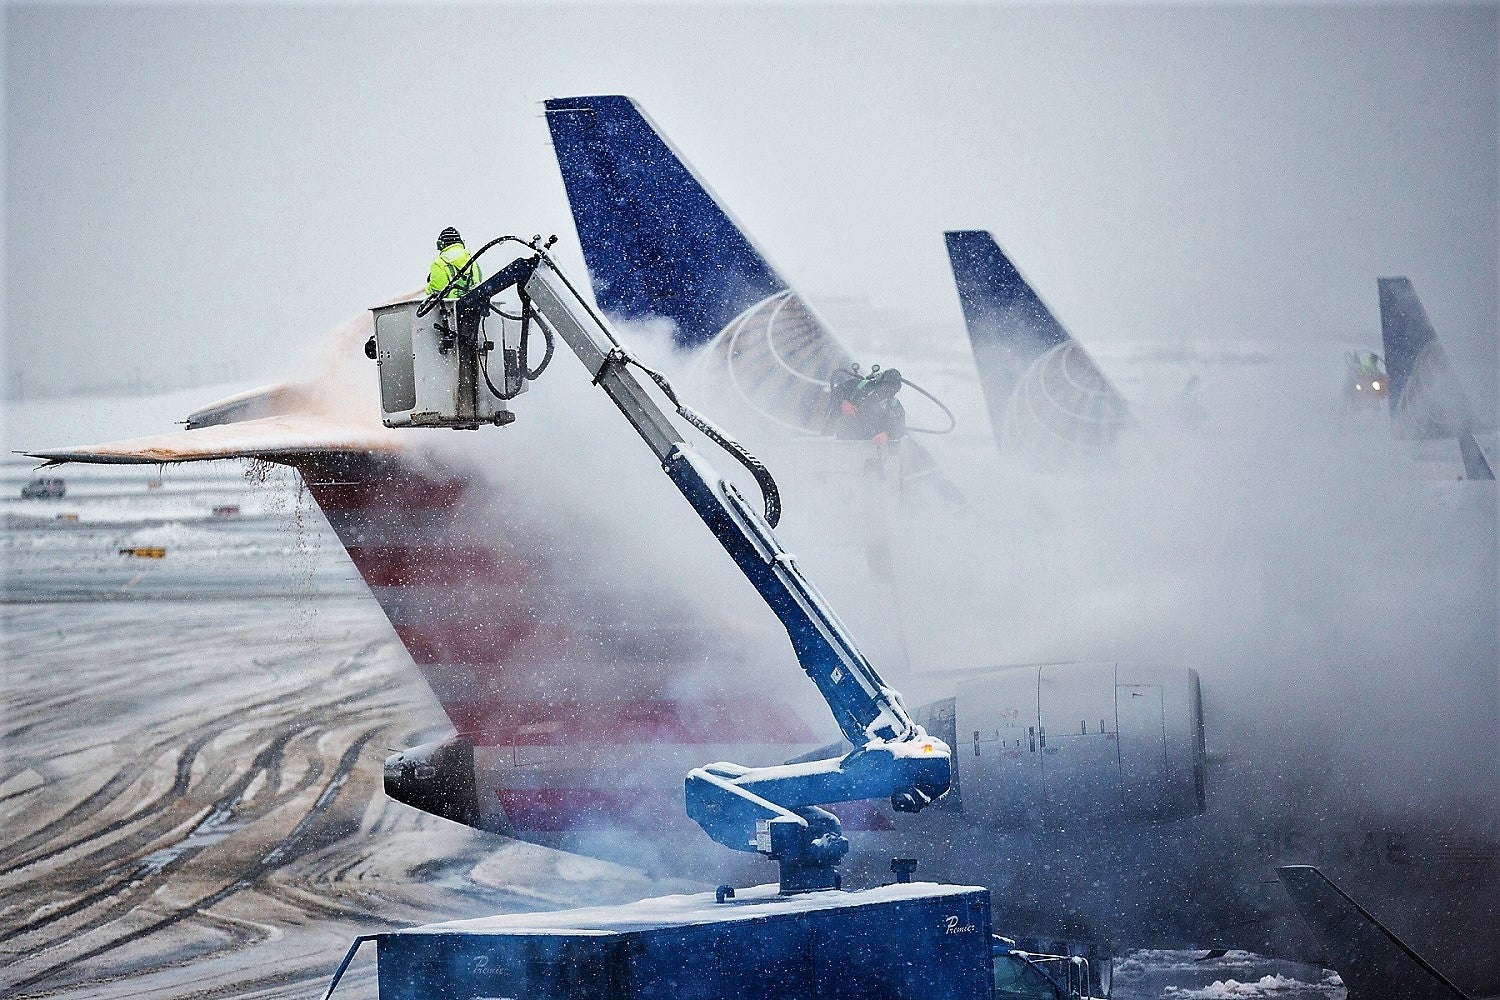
(451, 258)
(865, 407)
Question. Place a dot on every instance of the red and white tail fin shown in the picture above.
(539, 664)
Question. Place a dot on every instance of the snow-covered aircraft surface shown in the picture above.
(588, 654)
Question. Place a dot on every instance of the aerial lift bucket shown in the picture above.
(429, 377)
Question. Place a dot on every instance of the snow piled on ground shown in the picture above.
(1265, 986)
(1152, 974)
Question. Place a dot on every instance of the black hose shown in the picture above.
(769, 491)
(528, 374)
(952, 420)
(532, 376)
(484, 368)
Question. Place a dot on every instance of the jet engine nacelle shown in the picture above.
(439, 778)
(1069, 744)
(1054, 745)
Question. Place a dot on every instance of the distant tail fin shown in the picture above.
(1427, 400)
(656, 241)
(999, 306)
(658, 244)
(1371, 960)
(1407, 333)
(1038, 382)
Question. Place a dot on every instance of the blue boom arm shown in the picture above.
(772, 810)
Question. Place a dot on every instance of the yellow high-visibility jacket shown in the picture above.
(449, 263)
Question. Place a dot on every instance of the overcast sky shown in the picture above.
(205, 189)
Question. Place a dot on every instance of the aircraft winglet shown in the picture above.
(1372, 961)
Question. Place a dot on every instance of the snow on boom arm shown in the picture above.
(773, 810)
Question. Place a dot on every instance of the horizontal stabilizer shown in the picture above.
(1372, 961)
(334, 410)
(278, 422)
(271, 438)
(656, 241)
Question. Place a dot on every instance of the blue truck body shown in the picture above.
(918, 941)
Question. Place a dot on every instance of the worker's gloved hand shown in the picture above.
(370, 347)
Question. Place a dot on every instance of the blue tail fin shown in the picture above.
(1000, 308)
(656, 241)
(658, 244)
(1038, 382)
(1406, 331)
(1426, 397)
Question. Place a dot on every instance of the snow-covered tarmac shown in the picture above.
(192, 747)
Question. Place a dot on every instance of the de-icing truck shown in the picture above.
(804, 937)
